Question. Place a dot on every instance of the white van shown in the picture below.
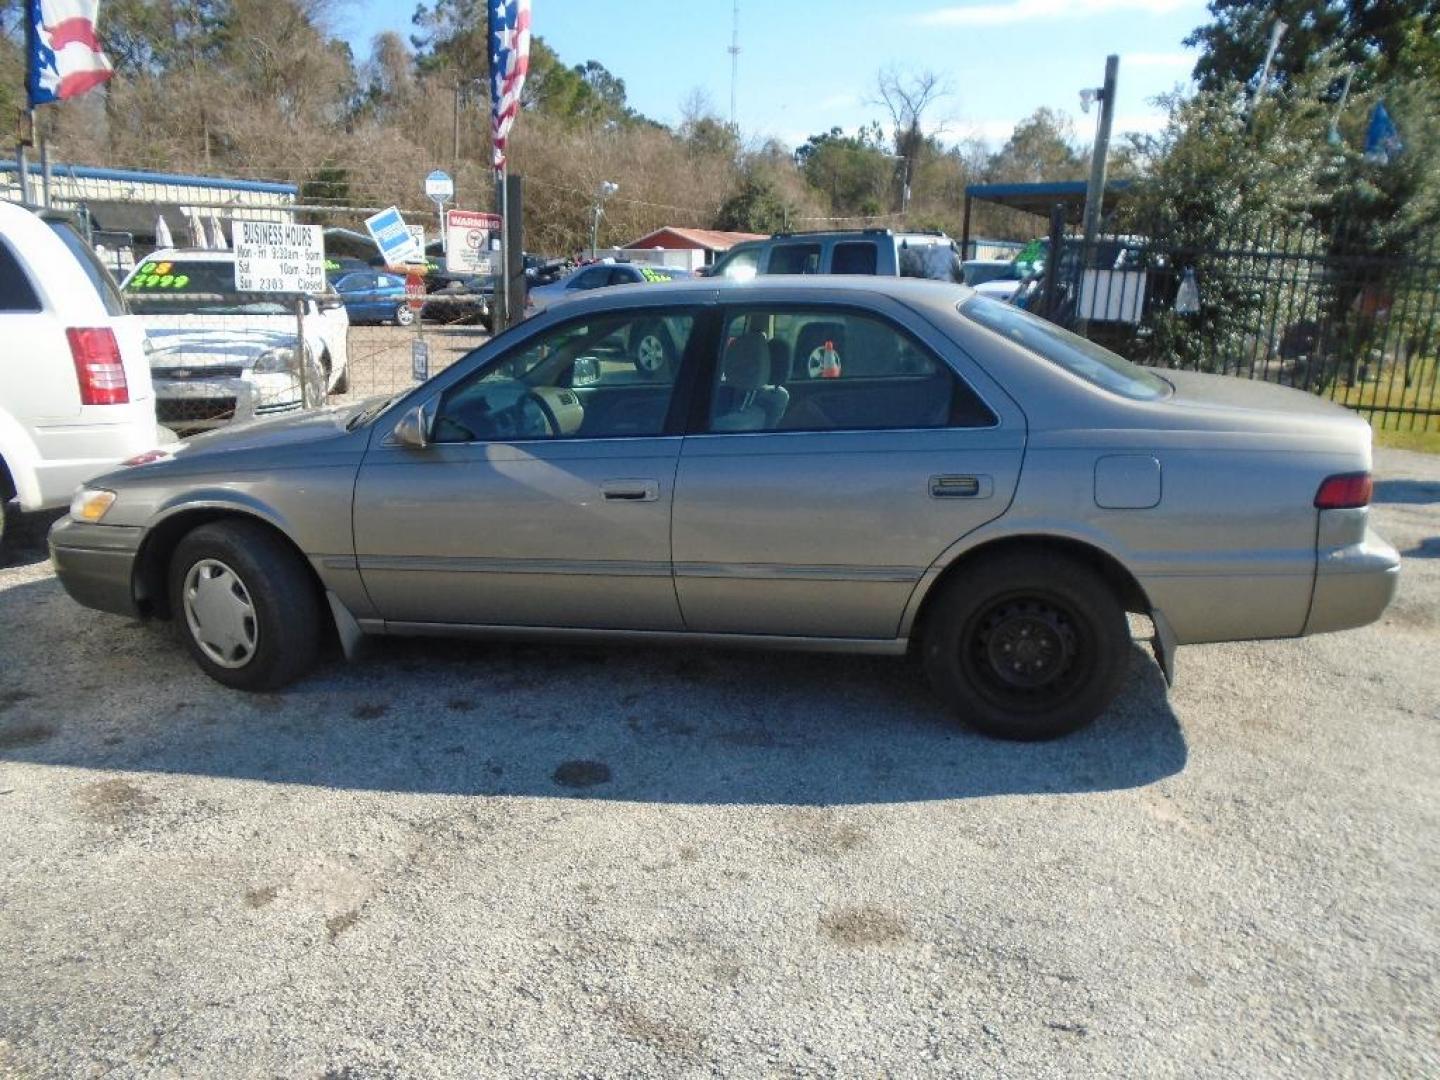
(75, 395)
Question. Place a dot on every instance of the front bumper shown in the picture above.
(1353, 584)
(96, 563)
(201, 404)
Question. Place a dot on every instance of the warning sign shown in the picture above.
(471, 237)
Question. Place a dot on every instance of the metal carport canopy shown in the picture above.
(1038, 198)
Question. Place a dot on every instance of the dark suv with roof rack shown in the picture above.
(853, 251)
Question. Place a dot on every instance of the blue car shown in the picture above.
(374, 296)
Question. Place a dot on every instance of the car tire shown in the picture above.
(1026, 645)
(251, 618)
(404, 314)
(9, 518)
(652, 350)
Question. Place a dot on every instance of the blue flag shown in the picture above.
(1382, 141)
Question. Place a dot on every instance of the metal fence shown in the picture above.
(1330, 311)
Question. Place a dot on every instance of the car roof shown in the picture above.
(769, 288)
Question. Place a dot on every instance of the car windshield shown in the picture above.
(193, 287)
(1075, 354)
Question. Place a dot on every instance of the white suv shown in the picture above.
(75, 395)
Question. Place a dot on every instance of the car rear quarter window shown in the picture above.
(1094, 364)
(105, 286)
(795, 259)
(856, 257)
(16, 292)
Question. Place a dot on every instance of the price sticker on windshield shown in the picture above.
(278, 257)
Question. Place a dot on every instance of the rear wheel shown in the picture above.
(1027, 645)
(9, 511)
(245, 605)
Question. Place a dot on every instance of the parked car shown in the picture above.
(75, 394)
(218, 355)
(597, 276)
(962, 479)
(374, 297)
(998, 279)
(459, 300)
(870, 252)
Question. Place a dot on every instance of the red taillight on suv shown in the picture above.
(1344, 491)
(98, 366)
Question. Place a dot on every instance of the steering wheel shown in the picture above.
(547, 414)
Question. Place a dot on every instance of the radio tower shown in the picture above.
(734, 51)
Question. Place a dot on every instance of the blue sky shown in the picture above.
(808, 65)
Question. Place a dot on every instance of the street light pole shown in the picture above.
(603, 192)
(1095, 192)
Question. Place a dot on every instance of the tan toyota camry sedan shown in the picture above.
(869, 465)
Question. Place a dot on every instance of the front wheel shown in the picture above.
(248, 611)
(1027, 645)
(404, 315)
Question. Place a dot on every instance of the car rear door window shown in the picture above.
(786, 369)
(16, 292)
(855, 257)
(795, 259)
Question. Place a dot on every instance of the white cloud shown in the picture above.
(1005, 12)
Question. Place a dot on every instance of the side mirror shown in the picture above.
(413, 429)
(586, 372)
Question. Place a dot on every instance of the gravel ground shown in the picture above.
(379, 356)
(461, 860)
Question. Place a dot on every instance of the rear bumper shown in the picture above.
(71, 454)
(96, 563)
(1353, 585)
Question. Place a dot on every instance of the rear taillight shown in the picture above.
(1344, 491)
(98, 366)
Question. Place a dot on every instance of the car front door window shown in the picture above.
(599, 377)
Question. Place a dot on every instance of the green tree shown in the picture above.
(1040, 149)
(756, 207)
(854, 171)
(1367, 34)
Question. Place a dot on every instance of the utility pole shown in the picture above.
(1095, 192)
(734, 51)
(455, 132)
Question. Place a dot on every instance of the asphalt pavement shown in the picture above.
(463, 860)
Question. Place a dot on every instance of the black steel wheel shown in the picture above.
(1026, 644)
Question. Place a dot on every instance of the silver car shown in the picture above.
(849, 464)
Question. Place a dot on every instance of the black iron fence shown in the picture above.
(1326, 310)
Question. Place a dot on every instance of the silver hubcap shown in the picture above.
(404, 315)
(651, 353)
(220, 614)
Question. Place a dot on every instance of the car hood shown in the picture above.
(300, 427)
(210, 346)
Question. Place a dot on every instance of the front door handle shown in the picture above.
(630, 490)
(961, 486)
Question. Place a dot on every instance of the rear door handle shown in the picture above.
(961, 486)
(630, 490)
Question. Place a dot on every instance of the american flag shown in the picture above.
(509, 61)
(65, 55)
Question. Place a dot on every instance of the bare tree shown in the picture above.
(907, 96)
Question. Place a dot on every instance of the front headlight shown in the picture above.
(91, 504)
(278, 361)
